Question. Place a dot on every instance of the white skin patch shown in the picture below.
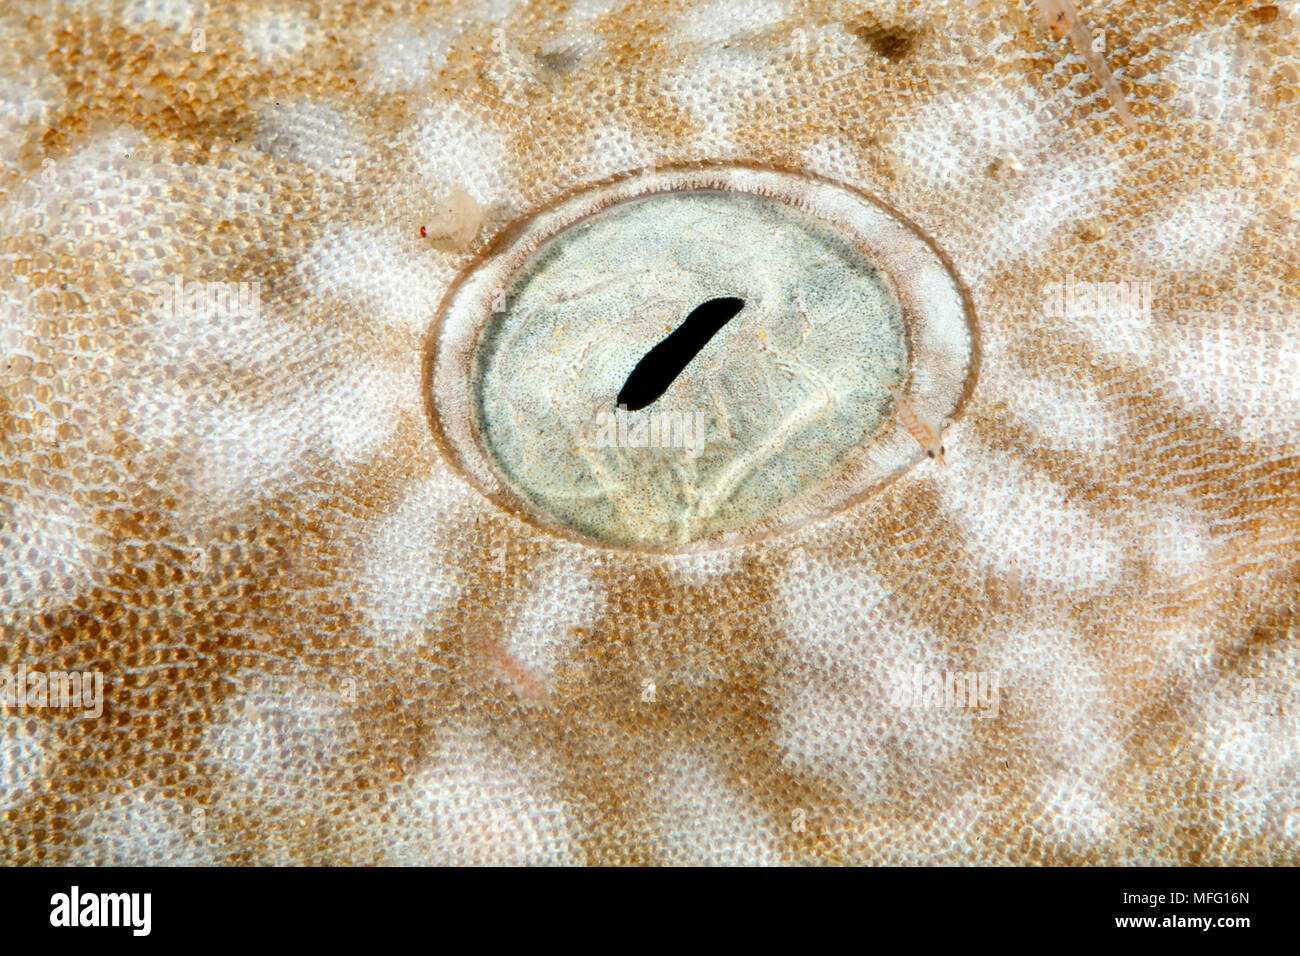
(1206, 75)
(615, 150)
(847, 662)
(1004, 153)
(129, 829)
(716, 88)
(407, 577)
(314, 134)
(375, 272)
(1077, 808)
(562, 597)
(945, 142)
(705, 819)
(218, 330)
(492, 11)
(1018, 518)
(701, 568)
(1064, 415)
(1197, 234)
(236, 443)
(455, 148)
(49, 551)
(1175, 539)
(409, 55)
(235, 449)
(170, 13)
(845, 734)
(25, 102)
(1049, 197)
(276, 732)
(484, 806)
(1248, 379)
(1056, 694)
(277, 36)
(584, 12)
(1058, 701)
(833, 158)
(1118, 335)
(23, 763)
(101, 186)
(579, 39)
(725, 21)
(1250, 732)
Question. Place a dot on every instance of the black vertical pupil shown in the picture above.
(660, 366)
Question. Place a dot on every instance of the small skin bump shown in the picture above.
(455, 224)
(891, 43)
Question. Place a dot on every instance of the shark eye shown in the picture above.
(695, 357)
(663, 363)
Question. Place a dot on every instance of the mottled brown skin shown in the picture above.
(272, 613)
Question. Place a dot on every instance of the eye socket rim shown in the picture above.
(449, 362)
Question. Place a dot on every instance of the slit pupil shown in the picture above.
(660, 366)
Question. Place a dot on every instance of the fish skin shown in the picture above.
(245, 525)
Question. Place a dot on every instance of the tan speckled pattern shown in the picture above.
(321, 645)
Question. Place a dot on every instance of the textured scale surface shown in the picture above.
(321, 645)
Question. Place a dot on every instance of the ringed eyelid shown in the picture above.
(794, 426)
